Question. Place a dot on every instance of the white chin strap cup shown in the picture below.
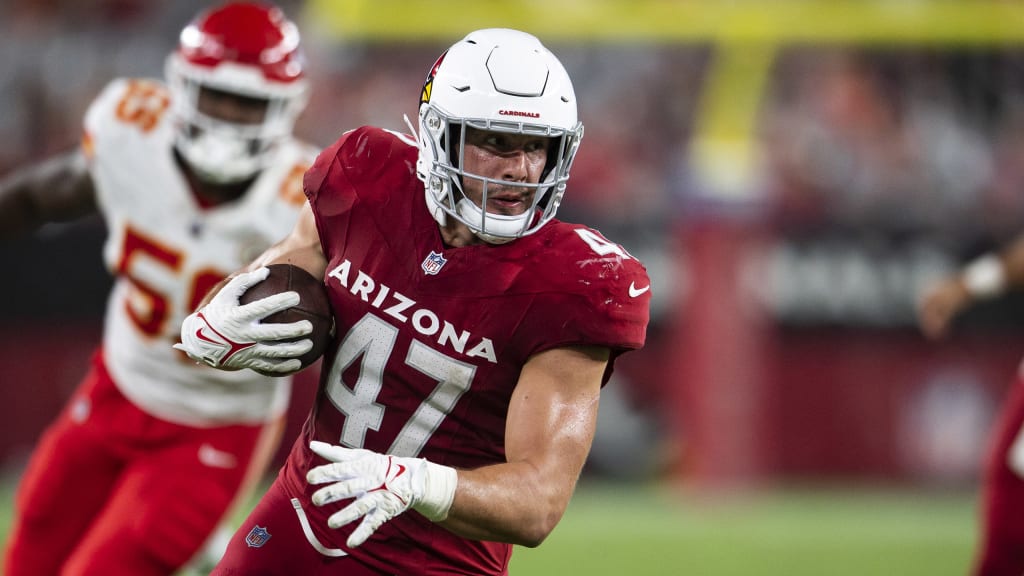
(497, 228)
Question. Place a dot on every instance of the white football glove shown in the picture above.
(226, 334)
(383, 487)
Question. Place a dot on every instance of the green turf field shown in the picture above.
(620, 530)
(625, 530)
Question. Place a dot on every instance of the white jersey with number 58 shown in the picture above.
(166, 251)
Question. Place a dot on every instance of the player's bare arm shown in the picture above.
(58, 189)
(550, 427)
(1012, 260)
(985, 277)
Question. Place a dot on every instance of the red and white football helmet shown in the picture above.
(501, 80)
(246, 48)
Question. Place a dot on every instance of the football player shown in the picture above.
(193, 178)
(1001, 546)
(474, 331)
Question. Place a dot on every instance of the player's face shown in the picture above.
(509, 158)
(230, 107)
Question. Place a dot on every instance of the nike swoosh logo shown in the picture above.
(389, 478)
(401, 470)
(634, 291)
(201, 333)
(202, 336)
(232, 346)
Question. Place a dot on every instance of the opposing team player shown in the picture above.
(194, 178)
(474, 331)
(1001, 546)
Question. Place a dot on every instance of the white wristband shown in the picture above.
(439, 484)
(985, 277)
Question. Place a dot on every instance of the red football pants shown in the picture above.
(112, 490)
(285, 548)
(1001, 550)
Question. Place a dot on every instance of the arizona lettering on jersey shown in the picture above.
(426, 358)
(166, 251)
(404, 309)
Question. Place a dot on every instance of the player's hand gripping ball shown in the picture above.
(313, 305)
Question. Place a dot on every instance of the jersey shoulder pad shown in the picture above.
(584, 290)
(592, 258)
(128, 108)
(363, 155)
(611, 284)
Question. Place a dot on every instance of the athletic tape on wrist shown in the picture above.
(439, 485)
(985, 276)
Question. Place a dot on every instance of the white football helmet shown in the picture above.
(499, 80)
(245, 48)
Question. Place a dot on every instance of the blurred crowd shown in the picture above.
(901, 162)
(919, 142)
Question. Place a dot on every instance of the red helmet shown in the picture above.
(246, 48)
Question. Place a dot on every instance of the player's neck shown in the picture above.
(455, 234)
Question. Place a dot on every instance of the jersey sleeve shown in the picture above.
(129, 120)
(99, 114)
(602, 297)
(359, 169)
(127, 107)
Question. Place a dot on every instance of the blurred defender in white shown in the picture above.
(193, 177)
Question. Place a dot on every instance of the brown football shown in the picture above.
(313, 304)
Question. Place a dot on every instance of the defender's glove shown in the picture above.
(226, 334)
(383, 487)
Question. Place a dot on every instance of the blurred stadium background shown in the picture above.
(792, 172)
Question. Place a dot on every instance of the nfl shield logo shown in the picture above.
(257, 537)
(433, 263)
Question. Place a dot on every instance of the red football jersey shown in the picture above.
(1001, 546)
(430, 340)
